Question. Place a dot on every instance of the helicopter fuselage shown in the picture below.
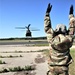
(28, 33)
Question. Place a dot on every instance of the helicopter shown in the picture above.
(28, 31)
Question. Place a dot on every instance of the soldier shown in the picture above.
(60, 40)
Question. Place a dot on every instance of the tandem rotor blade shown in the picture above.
(20, 28)
(35, 29)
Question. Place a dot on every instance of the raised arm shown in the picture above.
(47, 21)
(47, 24)
(72, 21)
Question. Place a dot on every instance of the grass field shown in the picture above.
(72, 66)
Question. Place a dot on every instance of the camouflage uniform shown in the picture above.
(59, 46)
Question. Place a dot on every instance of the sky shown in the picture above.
(20, 13)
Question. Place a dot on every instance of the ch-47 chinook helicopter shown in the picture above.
(28, 31)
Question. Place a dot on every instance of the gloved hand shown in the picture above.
(49, 8)
(71, 10)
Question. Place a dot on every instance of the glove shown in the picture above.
(49, 8)
(71, 10)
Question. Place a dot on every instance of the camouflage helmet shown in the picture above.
(61, 28)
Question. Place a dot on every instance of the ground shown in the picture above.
(27, 55)
(28, 58)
